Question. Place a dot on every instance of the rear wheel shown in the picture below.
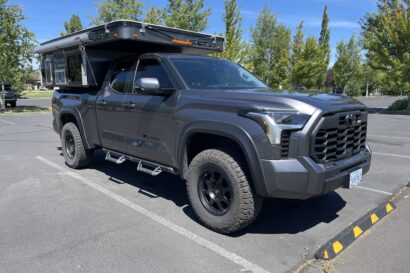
(75, 154)
(13, 104)
(220, 192)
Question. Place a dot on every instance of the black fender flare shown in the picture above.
(80, 124)
(230, 131)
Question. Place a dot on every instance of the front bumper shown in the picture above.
(303, 178)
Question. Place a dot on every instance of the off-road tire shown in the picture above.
(245, 203)
(82, 157)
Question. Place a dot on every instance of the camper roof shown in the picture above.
(113, 32)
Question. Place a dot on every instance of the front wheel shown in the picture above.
(75, 154)
(220, 192)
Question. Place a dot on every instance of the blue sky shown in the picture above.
(46, 17)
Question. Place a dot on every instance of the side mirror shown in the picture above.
(150, 86)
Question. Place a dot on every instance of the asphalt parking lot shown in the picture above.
(110, 218)
(379, 102)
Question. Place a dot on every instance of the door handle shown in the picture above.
(102, 102)
(129, 105)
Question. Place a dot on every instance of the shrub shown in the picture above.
(399, 105)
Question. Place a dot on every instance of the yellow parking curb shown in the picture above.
(351, 233)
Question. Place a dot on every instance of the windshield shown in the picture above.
(210, 73)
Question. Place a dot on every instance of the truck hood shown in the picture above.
(306, 102)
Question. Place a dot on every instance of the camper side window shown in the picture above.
(48, 67)
(121, 80)
(74, 68)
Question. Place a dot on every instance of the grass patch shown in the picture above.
(37, 94)
(26, 109)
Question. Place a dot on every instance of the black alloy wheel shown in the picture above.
(215, 192)
(70, 145)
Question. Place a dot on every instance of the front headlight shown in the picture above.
(273, 123)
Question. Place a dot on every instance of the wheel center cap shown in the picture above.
(212, 195)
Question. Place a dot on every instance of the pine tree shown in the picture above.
(111, 10)
(297, 51)
(324, 53)
(73, 25)
(270, 49)
(235, 47)
(187, 14)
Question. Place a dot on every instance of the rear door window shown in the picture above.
(121, 80)
(150, 68)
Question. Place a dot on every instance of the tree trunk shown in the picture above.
(408, 100)
(344, 89)
(2, 101)
(367, 89)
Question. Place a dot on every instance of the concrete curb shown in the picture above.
(345, 238)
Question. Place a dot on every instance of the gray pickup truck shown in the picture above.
(218, 127)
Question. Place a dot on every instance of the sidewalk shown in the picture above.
(383, 248)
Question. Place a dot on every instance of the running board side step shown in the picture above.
(144, 166)
(114, 158)
(153, 172)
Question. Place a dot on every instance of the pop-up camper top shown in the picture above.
(81, 59)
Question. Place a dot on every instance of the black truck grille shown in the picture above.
(340, 136)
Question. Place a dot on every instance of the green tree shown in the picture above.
(386, 37)
(270, 49)
(372, 79)
(111, 10)
(347, 70)
(154, 16)
(297, 51)
(235, 47)
(73, 25)
(308, 66)
(16, 46)
(324, 53)
(187, 14)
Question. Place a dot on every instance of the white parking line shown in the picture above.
(396, 155)
(6, 121)
(174, 227)
(370, 135)
(374, 190)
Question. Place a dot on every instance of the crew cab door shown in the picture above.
(110, 105)
(150, 119)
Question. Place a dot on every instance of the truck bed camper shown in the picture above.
(81, 59)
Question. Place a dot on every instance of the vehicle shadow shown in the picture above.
(286, 216)
(278, 216)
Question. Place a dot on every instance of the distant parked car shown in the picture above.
(338, 91)
(10, 96)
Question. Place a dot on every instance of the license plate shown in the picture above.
(355, 178)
